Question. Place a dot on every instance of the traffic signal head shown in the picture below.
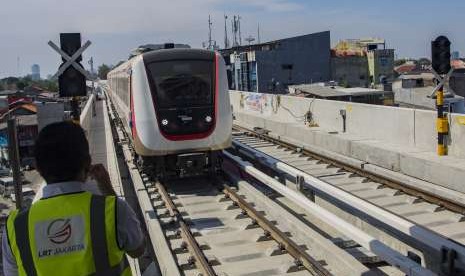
(71, 83)
(70, 43)
(440, 49)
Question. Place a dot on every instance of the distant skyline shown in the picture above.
(115, 27)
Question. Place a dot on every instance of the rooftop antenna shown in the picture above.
(226, 40)
(234, 30)
(258, 34)
(250, 39)
(210, 45)
(239, 24)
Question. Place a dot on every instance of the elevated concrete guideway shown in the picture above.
(314, 124)
(395, 142)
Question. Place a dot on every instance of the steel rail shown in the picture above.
(457, 207)
(192, 244)
(422, 235)
(307, 261)
(391, 256)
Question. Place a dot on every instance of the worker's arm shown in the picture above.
(138, 252)
(130, 235)
(10, 268)
(101, 176)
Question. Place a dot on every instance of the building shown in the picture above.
(27, 133)
(415, 90)
(457, 81)
(331, 91)
(362, 62)
(35, 72)
(271, 67)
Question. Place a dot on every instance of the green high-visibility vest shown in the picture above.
(72, 234)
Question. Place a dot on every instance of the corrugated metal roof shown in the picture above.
(22, 120)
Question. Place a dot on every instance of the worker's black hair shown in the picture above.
(62, 152)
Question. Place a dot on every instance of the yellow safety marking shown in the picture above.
(442, 125)
(461, 120)
(349, 108)
(440, 98)
(442, 150)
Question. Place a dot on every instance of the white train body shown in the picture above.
(173, 101)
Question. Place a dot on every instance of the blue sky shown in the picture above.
(116, 26)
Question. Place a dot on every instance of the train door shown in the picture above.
(132, 122)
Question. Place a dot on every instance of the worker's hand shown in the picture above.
(100, 174)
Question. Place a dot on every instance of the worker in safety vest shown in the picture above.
(71, 231)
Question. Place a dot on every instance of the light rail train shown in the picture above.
(174, 104)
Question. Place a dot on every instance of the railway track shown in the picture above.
(209, 228)
(416, 207)
(230, 226)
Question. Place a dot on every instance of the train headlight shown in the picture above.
(164, 122)
(208, 119)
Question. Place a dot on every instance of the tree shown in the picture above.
(399, 62)
(21, 85)
(103, 71)
(424, 61)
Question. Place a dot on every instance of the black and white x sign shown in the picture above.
(442, 81)
(71, 61)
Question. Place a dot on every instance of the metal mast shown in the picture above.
(239, 25)
(226, 41)
(258, 34)
(210, 45)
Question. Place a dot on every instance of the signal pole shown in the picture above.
(13, 154)
(440, 49)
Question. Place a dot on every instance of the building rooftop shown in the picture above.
(22, 120)
(265, 45)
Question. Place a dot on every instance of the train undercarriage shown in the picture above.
(183, 165)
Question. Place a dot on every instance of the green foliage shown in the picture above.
(21, 83)
(103, 71)
(424, 61)
(345, 84)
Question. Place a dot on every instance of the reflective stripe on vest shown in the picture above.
(89, 226)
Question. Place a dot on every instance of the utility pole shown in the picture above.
(91, 63)
(14, 161)
(18, 67)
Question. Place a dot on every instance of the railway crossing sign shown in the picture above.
(441, 81)
(71, 74)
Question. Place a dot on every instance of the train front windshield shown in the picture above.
(182, 83)
(183, 95)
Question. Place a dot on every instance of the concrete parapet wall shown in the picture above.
(407, 127)
(86, 114)
(399, 139)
